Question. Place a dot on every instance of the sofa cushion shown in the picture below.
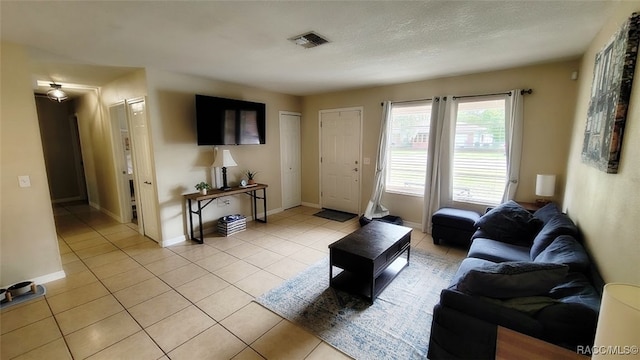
(558, 225)
(565, 250)
(497, 251)
(512, 279)
(546, 212)
(511, 223)
(467, 265)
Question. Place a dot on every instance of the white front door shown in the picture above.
(143, 162)
(340, 133)
(290, 159)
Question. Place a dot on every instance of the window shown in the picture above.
(407, 152)
(480, 161)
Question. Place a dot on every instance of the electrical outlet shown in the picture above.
(24, 181)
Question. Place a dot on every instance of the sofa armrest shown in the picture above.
(476, 306)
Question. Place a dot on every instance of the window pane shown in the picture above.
(408, 147)
(479, 161)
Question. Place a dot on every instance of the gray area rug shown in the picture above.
(335, 215)
(396, 326)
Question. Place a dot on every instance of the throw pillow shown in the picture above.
(546, 212)
(558, 225)
(565, 250)
(512, 279)
(510, 223)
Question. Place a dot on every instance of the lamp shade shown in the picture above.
(224, 159)
(545, 185)
(618, 331)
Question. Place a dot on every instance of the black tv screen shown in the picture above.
(221, 121)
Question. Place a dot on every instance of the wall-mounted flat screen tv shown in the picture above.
(221, 121)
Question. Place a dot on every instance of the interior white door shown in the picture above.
(118, 116)
(143, 164)
(290, 160)
(340, 160)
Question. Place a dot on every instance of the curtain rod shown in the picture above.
(407, 101)
(522, 92)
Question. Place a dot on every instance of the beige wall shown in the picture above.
(548, 116)
(180, 163)
(605, 206)
(28, 243)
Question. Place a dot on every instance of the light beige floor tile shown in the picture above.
(158, 308)
(202, 287)
(325, 351)
(166, 264)
(98, 336)
(217, 261)
(183, 275)
(28, 338)
(56, 349)
(214, 343)
(259, 282)
(124, 234)
(13, 319)
(224, 243)
(286, 341)
(134, 295)
(130, 240)
(286, 268)
(244, 250)
(64, 248)
(87, 314)
(224, 303)
(95, 250)
(72, 268)
(198, 252)
(68, 257)
(84, 244)
(115, 268)
(151, 255)
(248, 354)
(179, 328)
(126, 279)
(308, 256)
(70, 282)
(75, 297)
(263, 258)
(85, 235)
(138, 346)
(105, 259)
(112, 229)
(236, 271)
(251, 322)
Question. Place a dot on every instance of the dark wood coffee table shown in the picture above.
(370, 258)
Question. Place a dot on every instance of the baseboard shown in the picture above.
(175, 240)
(413, 225)
(70, 199)
(317, 206)
(45, 278)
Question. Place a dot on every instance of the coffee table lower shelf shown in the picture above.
(359, 284)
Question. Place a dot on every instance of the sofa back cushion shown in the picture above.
(546, 212)
(511, 223)
(565, 250)
(558, 225)
(511, 279)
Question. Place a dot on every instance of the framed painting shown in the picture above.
(610, 94)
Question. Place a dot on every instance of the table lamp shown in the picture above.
(546, 187)
(224, 160)
(618, 331)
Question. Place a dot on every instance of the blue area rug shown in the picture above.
(396, 326)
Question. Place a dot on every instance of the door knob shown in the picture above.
(355, 169)
(148, 183)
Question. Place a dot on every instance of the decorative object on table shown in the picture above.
(224, 161)
(618, 322)
(396, 326)
(232, 224)
(545, 187)
(203, 187)
(610, 94)
(251, 177)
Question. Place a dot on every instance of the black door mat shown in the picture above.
(335, 215)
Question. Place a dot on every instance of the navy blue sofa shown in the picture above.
(526, 272)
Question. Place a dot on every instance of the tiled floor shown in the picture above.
(125, 297)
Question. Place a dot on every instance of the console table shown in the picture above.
(211, 195)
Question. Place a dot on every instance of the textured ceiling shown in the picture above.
(371, 43)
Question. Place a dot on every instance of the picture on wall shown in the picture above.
(610, 94)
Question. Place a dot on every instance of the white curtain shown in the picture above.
(514, 124)
(437, 189)
(375, 209)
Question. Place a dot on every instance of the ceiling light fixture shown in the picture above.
(309, 40)
(56, 93)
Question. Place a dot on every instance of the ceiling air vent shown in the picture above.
(309, 40)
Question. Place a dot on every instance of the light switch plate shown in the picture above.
(24, 181)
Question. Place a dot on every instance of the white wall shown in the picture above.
(28, 242)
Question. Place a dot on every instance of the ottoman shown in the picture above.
(454, 225)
